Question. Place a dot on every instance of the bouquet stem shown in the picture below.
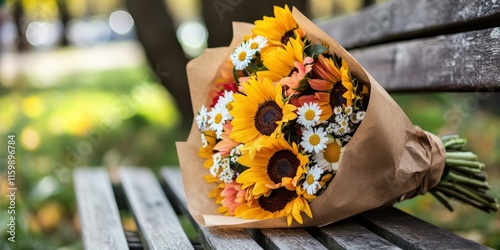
(464, 177)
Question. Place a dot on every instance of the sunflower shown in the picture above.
(277, 29)
(335, 88)
(281, 61)
(260, 114)
(280, 203)
(279, 165)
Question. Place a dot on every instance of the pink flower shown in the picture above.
(233, 196)
(293, 81)
(226, 144)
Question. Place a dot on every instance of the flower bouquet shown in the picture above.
(290, 130)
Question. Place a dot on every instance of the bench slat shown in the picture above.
(348, 234)
(403, 20)
(155, 217)
(287, 238)
(98, 212)
(460, 62)
(212, 238)
(409, 232)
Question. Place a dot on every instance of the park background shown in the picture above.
(102, 83)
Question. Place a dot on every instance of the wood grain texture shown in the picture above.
(99, 216)
(403, 20)
(409, 232)
(286, 238)
(460, 62)
(210, 237)
(348, 234)
(157, 222)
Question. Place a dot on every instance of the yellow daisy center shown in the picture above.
(310, 179)
(314, 139)
(309, 115)
(229, 106)
(218, 118)
(254, 45)
(332, 152)
(242, 56)
(277, 200)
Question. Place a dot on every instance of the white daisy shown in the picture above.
(204, 140)
(311, 184)
(226, 100)
(360, 115)
(242, 56)
(201, 118)
(348, 110)
(337, 110)
(329, 158)
(314, 140)
(344, 122)
(257, 43)
(353, 118)
(218, 116)
(215, 168)
(308, 114)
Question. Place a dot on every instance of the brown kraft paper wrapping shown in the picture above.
(387, 160)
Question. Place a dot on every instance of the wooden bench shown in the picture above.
(157, 205)
(408, 46)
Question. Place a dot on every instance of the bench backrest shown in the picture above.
(425, 45)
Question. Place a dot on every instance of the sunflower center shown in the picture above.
(336, 98)
(242, 56)
(218, 118)
(314, 139)
(286, 36)
(283, 163)
(254, 45)
(309, 115)
(310, 179)
(268, 113)
(332, 152)
(277, 200)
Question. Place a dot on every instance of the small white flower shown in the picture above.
(201, 118)
(234, 159)
(215, 168)
(242, 56)
(311, 184)
(225, 101)
(346, 138)
(337, 110)
(360, 115)
(227, 174)
(204, 140)
(218, 116)
(339, 118)
(329, 158)
(344, 122)
(314, 140)
(257, 43)
(308, 114)
(353, 118)
(348, 110)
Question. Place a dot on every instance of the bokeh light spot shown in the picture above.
(30, 139)
(121, 22)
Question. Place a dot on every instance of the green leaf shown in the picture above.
(315, 50)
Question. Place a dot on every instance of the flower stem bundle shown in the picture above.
(464, 177)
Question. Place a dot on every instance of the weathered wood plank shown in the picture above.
(460, 62)
(157, 222)
(409, 232)
(100, 219)
(286, 238)
(211, 237)
(403, 20)
(348, 234)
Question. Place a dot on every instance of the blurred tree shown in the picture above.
(156, 31)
